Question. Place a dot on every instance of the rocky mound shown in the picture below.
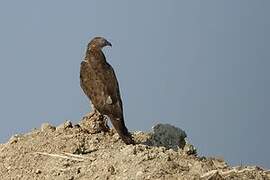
(70, 152)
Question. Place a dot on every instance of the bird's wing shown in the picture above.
(84, 78)
(101, 87)
(112, 86)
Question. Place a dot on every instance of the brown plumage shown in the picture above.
(99, 83)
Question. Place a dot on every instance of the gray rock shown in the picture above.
(168, 136)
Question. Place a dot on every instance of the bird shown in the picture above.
(99, 83)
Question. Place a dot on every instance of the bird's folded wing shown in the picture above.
(85, 79)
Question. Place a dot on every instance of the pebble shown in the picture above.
(65, 125)
(47, 127)
(139, 173)
(38, 171)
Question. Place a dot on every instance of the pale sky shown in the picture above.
(202, 66)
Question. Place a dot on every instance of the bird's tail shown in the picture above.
(119, 125)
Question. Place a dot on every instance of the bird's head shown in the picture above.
(98, 43)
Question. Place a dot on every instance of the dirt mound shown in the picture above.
(71, 152)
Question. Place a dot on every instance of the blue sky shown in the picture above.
(199, 65)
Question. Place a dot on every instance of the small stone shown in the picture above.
(66, 164)
(65, 125)
(138, 132)
(219, 162)
(38, 171)
(129, 150)
(94, 123)
(212, 175)
(77, 126)
(47, 127)
(139, 174)
(14, 139)
(115, 136)
(111, 169)
(162, 149)
(71, 178)
(56, 174)
(189, 149)
(141, 147)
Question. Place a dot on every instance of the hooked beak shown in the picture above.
(108, 43)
